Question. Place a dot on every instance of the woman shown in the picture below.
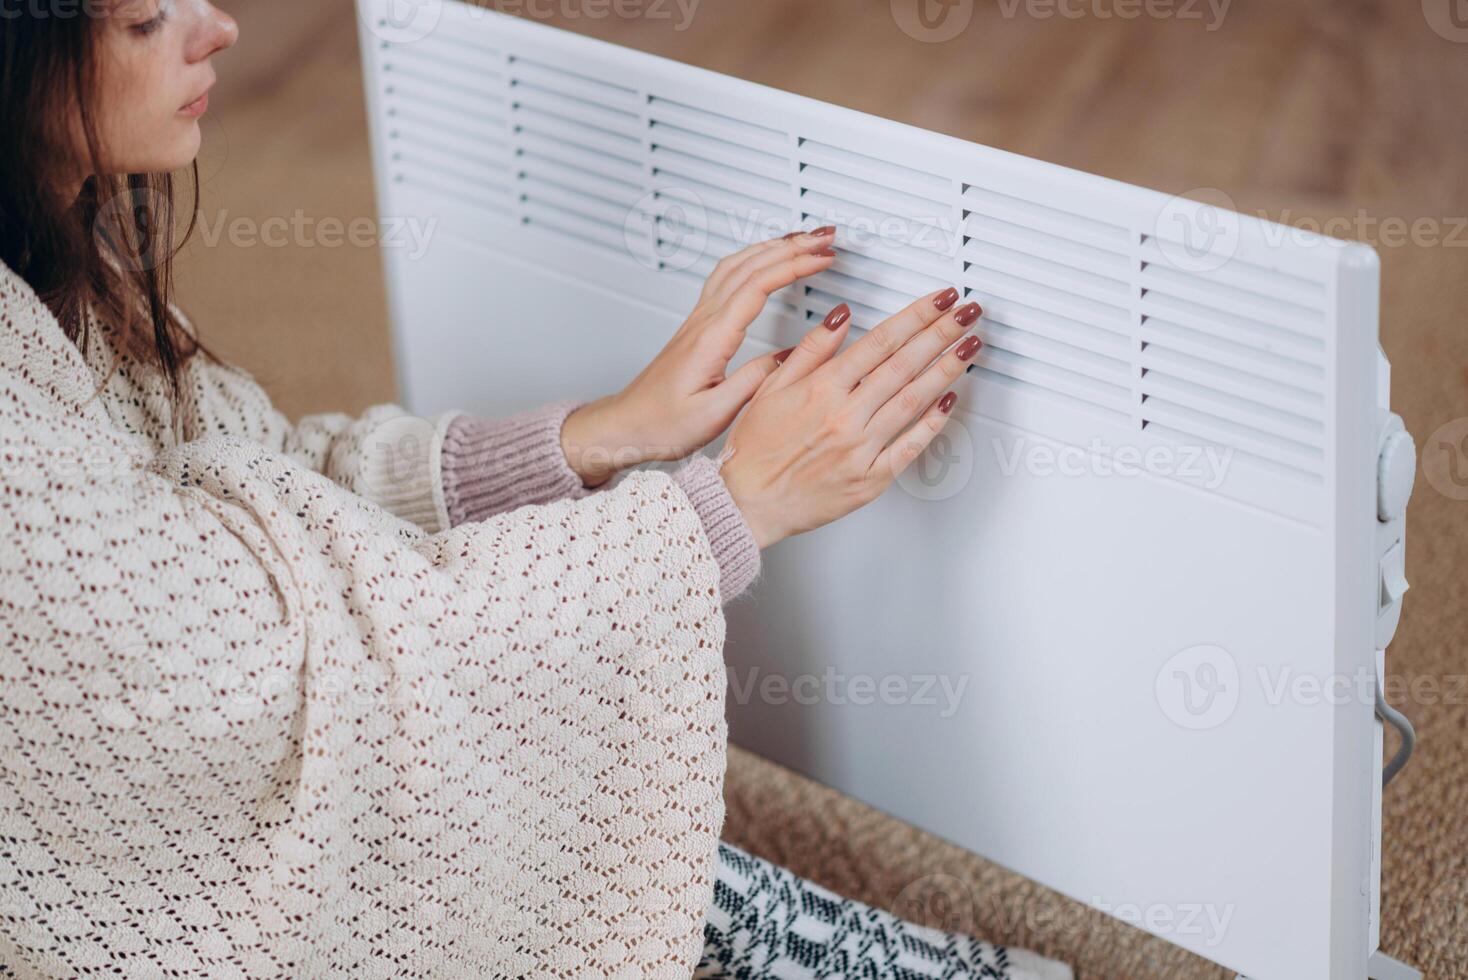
(275, 706)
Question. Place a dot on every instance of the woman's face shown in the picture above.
(154, 77)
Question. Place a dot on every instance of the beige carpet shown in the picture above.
(1307, 110)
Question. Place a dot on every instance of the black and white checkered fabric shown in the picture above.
(767, 923)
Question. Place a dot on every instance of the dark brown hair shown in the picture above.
(110, 249)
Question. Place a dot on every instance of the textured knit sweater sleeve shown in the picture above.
(256, 726)
(435, 472)
(490, 466)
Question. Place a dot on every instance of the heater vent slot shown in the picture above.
(735, 175)
(897, 230)
(578, 152)
(446, 122)
(1234, 356)
(1057, 292)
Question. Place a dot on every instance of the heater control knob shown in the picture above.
(1396, 470)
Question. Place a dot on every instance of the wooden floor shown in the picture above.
(1350, 110)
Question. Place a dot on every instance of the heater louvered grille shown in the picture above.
(444, 99)
(578, 150)
(1235, 356)
(1084, 311)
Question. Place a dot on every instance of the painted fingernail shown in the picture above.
(969, 348)
(825, 231)
(966, 315)
(946, 405)
(828, 252)
(946, 298)
(837, 317)
(786, 238)
(780, 357)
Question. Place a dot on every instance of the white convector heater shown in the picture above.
(1121, 629)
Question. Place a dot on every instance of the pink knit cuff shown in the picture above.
(729, 536)
(491, 466)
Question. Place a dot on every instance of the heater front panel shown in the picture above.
(1098, 633)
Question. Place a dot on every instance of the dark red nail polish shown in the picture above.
(828, 252)
(946, 298)
(837, 317)
(969, 348)
(825, 231)
(786, 238)
(780, 357)
(966, 315)
(946, 405)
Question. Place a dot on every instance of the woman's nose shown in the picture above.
(217, 31)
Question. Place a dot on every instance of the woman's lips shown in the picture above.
(197, 107)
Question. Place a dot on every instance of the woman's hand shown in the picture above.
(682, 400)
(828, 432)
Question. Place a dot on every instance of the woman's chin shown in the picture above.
(183, 150)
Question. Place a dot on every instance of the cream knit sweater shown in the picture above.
(253, 724)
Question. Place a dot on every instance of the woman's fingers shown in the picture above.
(735, 269)
(857, 361)
(730, 395)
(899, 411)
(907, 447)
(747, 298)
(815, 348)
(911, 359)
